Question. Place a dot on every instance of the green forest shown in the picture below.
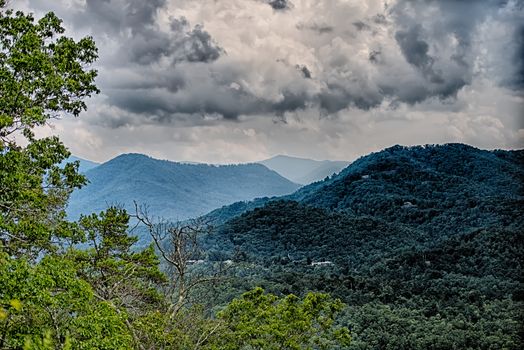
(407, 248)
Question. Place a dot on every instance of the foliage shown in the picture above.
(263, 321)
(43, 303)
(48, 299)
(42, 75)
(117, 273)
(442, 272)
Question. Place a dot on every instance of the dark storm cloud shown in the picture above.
(134, 24)
(374, 56)
(115, 15)
(160, 106)
(146, 58)
(361, 25)
(147, 46)
(439, 69)
(425, 44)
(159, 69)
(305, 71)
(518, 59)
(315, 27)
(279, 4)
(196, 45)
(336, 97)
(416, 52)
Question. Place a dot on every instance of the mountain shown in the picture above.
(419, 184)
(301, 170)
(173, 190)
(85, 165)
(423, 243)
(428, 186)
(435, 191)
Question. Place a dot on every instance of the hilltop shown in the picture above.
(173, 190)
(416, 240)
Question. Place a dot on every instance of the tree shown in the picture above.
(126, 279)
(43, 75)
(47, 302)
(116, 271)
(43, 303)
(264, 321)
(179, 245)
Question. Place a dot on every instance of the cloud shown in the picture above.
(416, 51)
(279, 4)
(161, 69)
(315, 27)
(330, 67)
(518, 60)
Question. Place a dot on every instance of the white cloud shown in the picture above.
(377, 75)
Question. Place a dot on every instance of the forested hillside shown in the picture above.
(176, 191)
(428, 186)
(423, 243)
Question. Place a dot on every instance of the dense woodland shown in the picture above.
(407, 248)
(424, 244)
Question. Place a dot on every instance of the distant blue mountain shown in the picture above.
(173, 190)
(85, 165)
(302, 170)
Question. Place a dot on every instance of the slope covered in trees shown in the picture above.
(419, 185)
(423, 243)
(402, 291)
(427, 186)
(173, 190)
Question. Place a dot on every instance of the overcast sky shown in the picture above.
(241, 80)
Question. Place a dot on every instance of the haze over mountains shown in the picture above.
(301, 170)
(173, 190)
(179, 190)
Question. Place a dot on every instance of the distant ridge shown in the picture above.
(85, 165)
(173, 190)
(303, 170)
(382, 182)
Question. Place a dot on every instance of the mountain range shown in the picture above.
(430, 180)
(301, 170)
(424, 244)
(172, 190)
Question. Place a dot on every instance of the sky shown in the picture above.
(228, 81)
